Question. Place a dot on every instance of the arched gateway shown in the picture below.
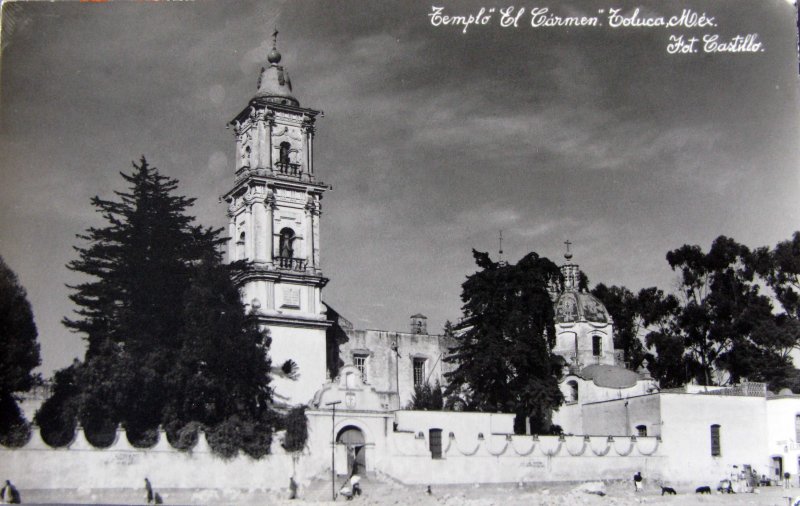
(352, 437)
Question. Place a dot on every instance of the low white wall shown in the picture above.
(503, 459)
(81, 466)
(686, 430)
(568, 417)
(621, 416)
(683, 456)
(462, 424)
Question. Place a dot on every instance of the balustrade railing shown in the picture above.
(289, 169)
(292, 264)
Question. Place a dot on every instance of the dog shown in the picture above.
(668, 490)
(705, 489)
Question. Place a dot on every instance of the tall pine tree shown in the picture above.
(222, 370)
(503, 360)
(162, 321)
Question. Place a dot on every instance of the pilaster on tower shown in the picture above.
(274, 208)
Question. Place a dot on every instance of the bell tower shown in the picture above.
(274, 210)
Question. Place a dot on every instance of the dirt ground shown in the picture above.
(616, 493)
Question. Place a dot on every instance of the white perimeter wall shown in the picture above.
(503, 459)
(686, 433)
(81, 466)
(682, 454)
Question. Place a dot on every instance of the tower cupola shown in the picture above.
(274, 85)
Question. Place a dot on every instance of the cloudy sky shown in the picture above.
(434, 140)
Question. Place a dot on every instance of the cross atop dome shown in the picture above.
(274, 56)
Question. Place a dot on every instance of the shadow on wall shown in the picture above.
(335, 337)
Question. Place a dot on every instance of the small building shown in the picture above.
(395, 363)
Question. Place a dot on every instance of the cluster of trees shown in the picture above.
(733, 316)
(427, 397)
(169, 342)
(19, 355)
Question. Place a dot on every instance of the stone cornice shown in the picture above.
(292, 321)
(266, 273)
(254, 175)
(245, 113)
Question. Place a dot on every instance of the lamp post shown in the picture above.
(333, 447)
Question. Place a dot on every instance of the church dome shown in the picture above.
(275, 86)
(576, 306)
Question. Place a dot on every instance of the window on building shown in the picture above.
(597, 346)
(641, 430)
(716, 449)
(285, 247)
(283, 157)
(360, 361)
(573, 391)
(419, 371)
(240, 247)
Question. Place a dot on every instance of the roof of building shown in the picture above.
(609, 376)
(574, 306)
(274, 84)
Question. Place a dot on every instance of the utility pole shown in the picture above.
(333, 448)
(396, 349)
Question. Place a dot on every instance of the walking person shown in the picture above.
(9, 494)
(149, 490)
(637, 481)
(355, 484)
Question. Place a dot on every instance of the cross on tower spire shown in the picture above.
(568, 255)
(500, 240)
(275, 38)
